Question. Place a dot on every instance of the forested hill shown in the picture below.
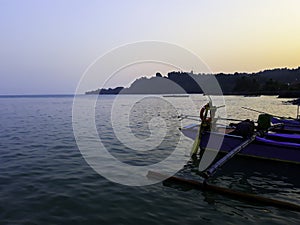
(268, 82)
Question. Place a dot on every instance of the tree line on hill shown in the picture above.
(283, 82)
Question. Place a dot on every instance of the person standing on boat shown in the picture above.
(205, 125)
(206, 121)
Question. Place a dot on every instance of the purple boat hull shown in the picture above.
(290, 122)
(276, 147)
(288, 126)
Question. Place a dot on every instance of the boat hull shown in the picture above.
(288, 126)
(290, 122)
(263, 148)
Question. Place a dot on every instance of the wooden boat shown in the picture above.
(272, 146)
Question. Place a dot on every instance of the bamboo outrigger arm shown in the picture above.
(226, 191)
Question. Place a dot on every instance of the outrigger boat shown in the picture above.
(240, 140)
(244, 139)
(266, 146)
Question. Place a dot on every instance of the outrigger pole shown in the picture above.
(212, 169)
(225, 191)
(190, 117)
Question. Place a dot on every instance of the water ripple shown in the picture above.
(45, 180)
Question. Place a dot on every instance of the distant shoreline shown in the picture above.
(291, 95)
(280, 95)
(282, 82)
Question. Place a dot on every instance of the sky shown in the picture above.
(47, 45)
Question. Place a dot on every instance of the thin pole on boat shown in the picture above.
(225, 191)
(213, 168)
(198, 120)
(181, 117)
(191, 119)
(254, 110)
(298, 112)
(237, 120)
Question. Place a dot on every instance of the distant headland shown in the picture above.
(283, 82)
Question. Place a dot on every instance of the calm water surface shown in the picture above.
(45, 180)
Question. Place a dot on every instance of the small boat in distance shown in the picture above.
(252, 95)
(175, 95)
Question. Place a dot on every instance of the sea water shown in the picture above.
(44, 178)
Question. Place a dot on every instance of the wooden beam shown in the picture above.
(226, 191)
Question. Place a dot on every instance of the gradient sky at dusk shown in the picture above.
(46, 45)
